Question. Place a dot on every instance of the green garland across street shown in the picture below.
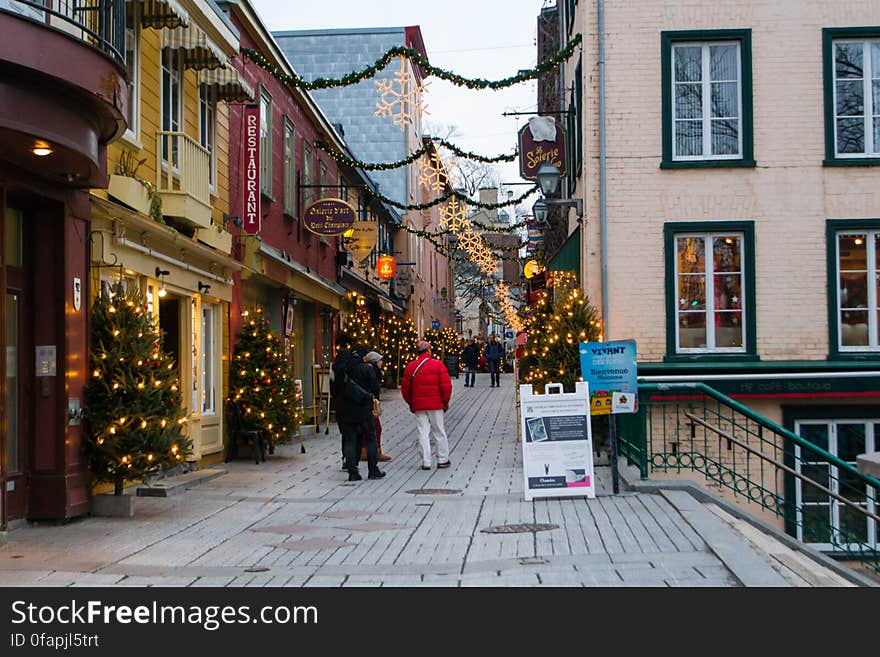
(415, 155)
(461, 196)
(418, 58)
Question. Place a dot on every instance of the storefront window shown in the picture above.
(208, 394)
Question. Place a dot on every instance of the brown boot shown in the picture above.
(363, 453)
(383, 457)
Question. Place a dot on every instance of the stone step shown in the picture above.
(178, 483)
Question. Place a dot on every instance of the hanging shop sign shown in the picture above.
(251, 216)
(329, 217)
(541, 141)
(386, 267)
(557, 446)
(531, 268)
(611, 370)
(364, 235)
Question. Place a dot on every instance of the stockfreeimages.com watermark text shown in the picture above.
(96, 612)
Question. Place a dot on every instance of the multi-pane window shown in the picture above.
(172, 102)
(265, 143)
(322, 180)
(289, 169)
(858, 284)
(132, 66)
(343, 190)
(707, 100)
(857, 97)
(208, 129)
(308, 177)
(208, 389)
(823, 520)
(709, 284)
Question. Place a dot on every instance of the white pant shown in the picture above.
(428, 422)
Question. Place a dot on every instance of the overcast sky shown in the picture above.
(476, 38)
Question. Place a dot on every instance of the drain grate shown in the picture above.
(519, 529)
(434, 491)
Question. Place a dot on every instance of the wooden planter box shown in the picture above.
(130, 192)
(113, 506)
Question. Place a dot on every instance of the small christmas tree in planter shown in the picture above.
(133, 419)
(260, 384)
(397, 343)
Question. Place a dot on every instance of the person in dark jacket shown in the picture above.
(493, 353)
(471, 356)
(375, 359)
(337, 375)
(359, 386)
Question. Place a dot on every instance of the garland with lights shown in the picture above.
(444, 342)
(397, 340)
(132, 414)
(419, 59)
(461, 196)
(343, 159)
(260, 383)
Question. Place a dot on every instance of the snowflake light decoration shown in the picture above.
(400, 98)
(454, 217)
(502, 294)
(434, 172)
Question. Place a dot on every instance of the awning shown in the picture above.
(199, 52)
(568, 257)
(162, 14)
(227, 84)
(385, 304)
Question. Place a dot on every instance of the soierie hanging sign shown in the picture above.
(363, 239)
(251, 211)
(541, 141)
(329, 217)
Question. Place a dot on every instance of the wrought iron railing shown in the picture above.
(691, 430)
(99, 23)
(183, 166)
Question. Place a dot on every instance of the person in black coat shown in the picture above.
(471, 357)
(356, 388)
(494, 352)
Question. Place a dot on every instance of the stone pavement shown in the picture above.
(296, 521)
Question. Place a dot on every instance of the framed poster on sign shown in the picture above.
(288, 320)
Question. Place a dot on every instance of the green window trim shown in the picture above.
(747, 228)
(667, 40)
(829, 34)
(832, 227)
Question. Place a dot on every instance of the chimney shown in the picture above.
(338, 127)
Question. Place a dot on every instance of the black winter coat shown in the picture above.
(364, 375)
(471, 355)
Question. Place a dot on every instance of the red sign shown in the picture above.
(329, 217)
(535, 152)
(251, 211)
(386, 267)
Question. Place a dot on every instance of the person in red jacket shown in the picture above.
(427, 388)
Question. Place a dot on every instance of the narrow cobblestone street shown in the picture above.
(296, 521)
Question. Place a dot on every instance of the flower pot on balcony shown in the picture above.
(113, 506)
(131, 192)
(219, 239)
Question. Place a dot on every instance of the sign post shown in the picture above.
(557, 442)
(251, 211)
(610, 369)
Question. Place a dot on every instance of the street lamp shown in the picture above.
(539, 210)
(548, 179)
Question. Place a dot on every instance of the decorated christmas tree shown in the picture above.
(450, 342)
(555, 331)
(436, 341)
(397, 344)
(260, 382)
(132, 416)
(361, 329)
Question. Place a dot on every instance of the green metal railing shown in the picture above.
(691, 428)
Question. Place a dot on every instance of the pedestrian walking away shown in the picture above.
(337, 375)
(493, 353)
(375, 359)
(358, 386)
(471, 356)
(427, 389)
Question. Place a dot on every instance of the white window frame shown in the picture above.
(265, 142)
(308, 177)
(873, 302)
(208, 133)
(133, 129)
(710, 310)
(872, 150)
(208, 362)
(872, 443)
(168, 121)
(706, 83)
(289, 168)
(323, 179)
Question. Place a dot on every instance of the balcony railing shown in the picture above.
(183, 166)
(99, 23)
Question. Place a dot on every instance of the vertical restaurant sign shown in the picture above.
(541, 141)
(251, 212)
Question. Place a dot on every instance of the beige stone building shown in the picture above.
(731, 190)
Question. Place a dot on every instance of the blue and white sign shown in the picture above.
(435, 324)
(611, 370)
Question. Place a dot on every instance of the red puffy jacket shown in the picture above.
(431, 388)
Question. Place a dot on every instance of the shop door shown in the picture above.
(16, 425)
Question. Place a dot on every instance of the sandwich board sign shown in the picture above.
(557, 446)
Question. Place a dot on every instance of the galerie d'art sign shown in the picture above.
(557, 442)
(251, 211)
(329, 217)
(541, 141)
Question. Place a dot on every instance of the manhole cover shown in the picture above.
(256, 569)
(434, 491)
(519, 529)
